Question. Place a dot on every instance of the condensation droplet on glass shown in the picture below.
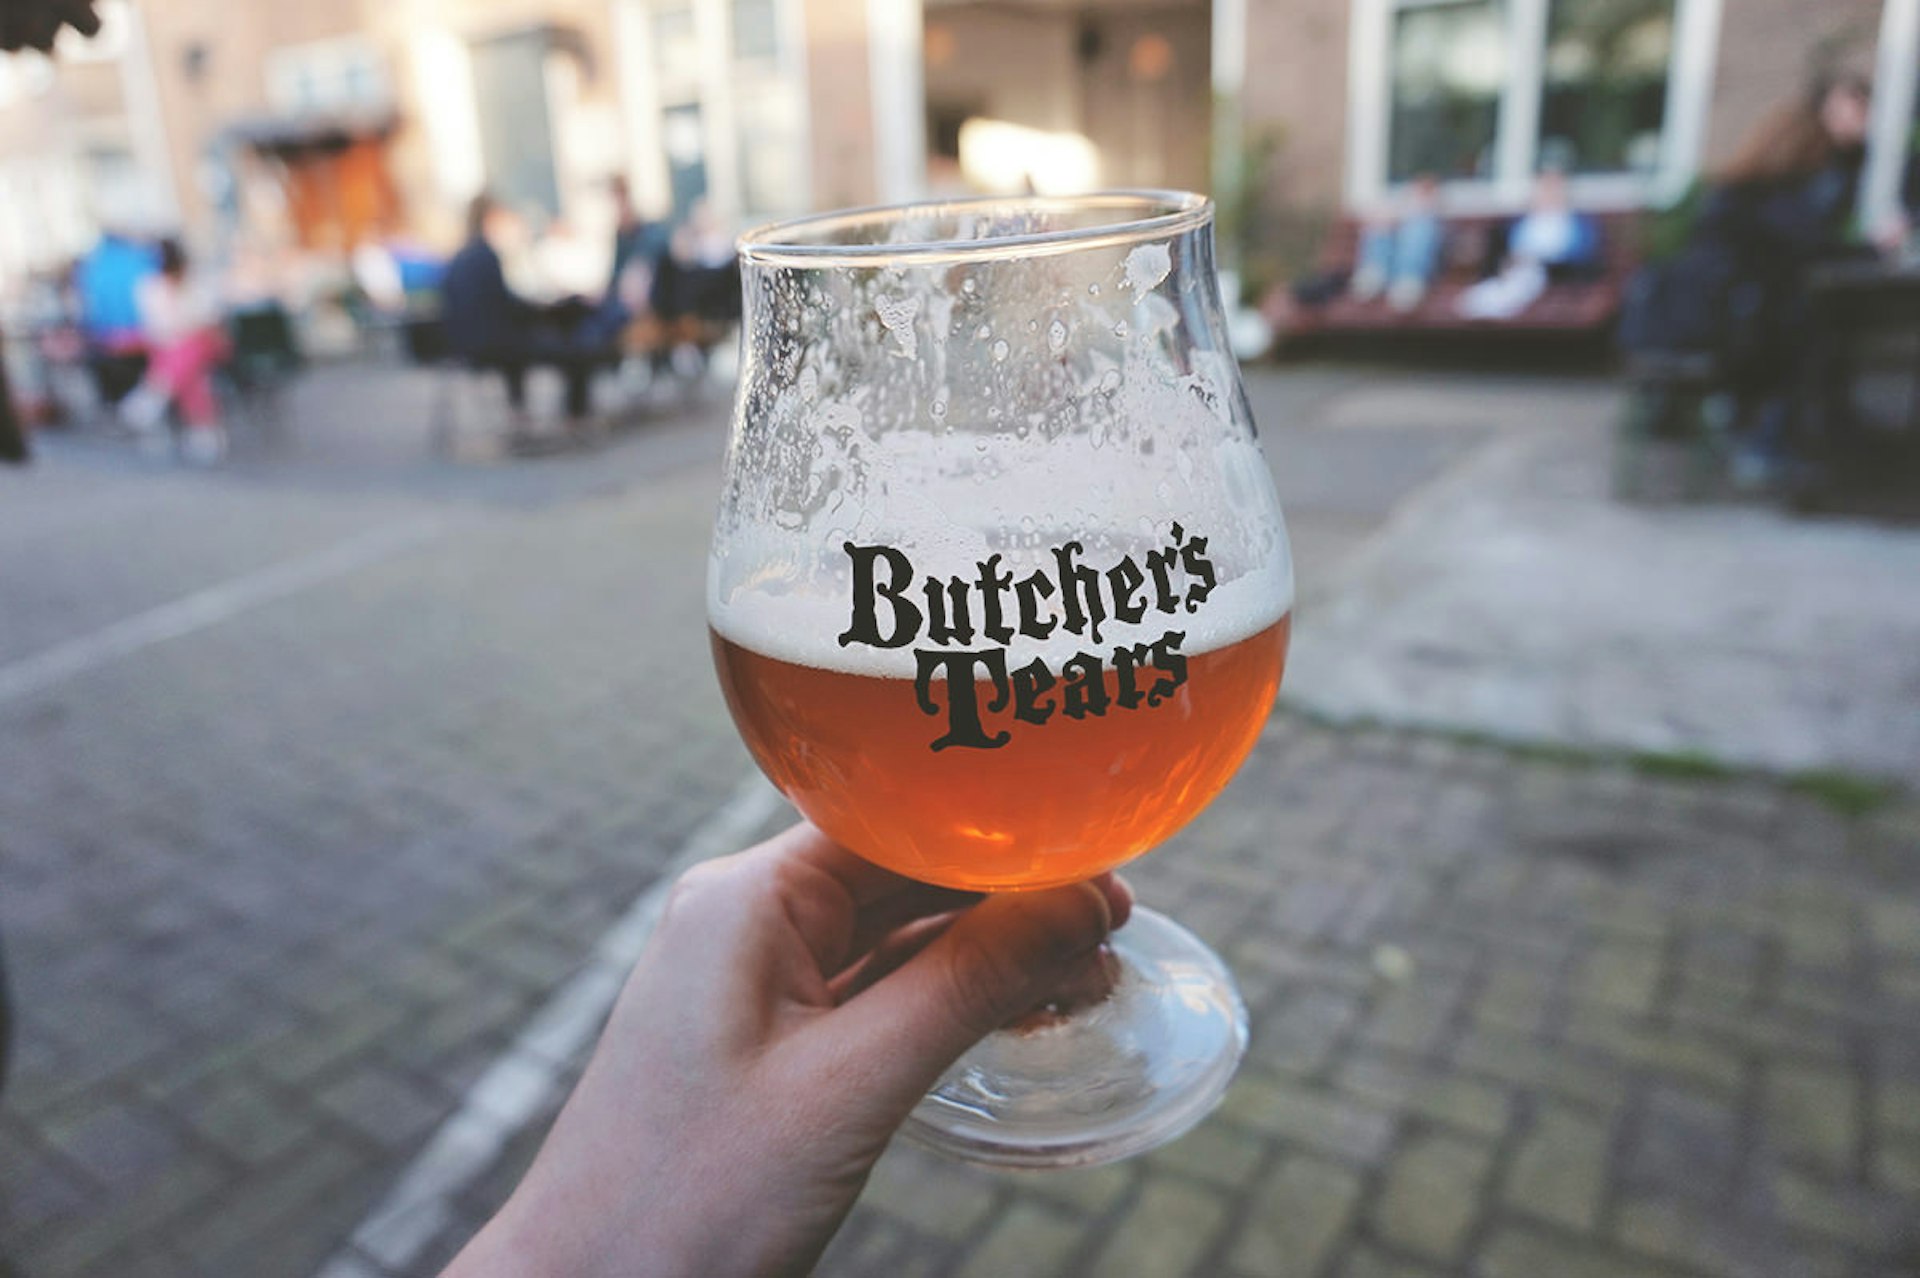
(1000, 350)
(1097, 432)
(983, 332)
(1026, 524)
(1110, 380)
(940, 402)
(1056, 335)
(967, 285)
(1120, 329)
(1093, 290)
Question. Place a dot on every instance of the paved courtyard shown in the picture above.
(319, 776)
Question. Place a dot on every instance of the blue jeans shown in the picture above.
(1407, 250)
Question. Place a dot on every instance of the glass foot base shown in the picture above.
(1112, 1080)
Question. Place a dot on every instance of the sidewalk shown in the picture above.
(1517, 600)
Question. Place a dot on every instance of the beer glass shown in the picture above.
(999, 594)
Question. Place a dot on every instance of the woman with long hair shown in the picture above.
(1782, 204)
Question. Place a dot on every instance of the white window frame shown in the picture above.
(1696, 40)
(713, 83)
(328, 61)
(1893, 92)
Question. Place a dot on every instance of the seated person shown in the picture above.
(698, 278)
(490, 326)
(107, 280)
(180, 323)
(639, 246)
(696, 287)
(1549, 241)
(1400, 256)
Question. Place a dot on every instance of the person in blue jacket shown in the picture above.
(490, 326)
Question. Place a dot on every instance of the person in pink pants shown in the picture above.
(185, 344)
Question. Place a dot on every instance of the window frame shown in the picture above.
(1516, 142)
(326, 62)
(715, 82)
(1892, 124)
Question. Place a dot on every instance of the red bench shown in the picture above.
(1574, 308)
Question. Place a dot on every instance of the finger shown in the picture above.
(79, 15)
(890, 953)
(862, 880)
(841, 904)
(1119, 894)
(998, 960)
(879, 921)
(39, 30)
(799, 887)
(891, 950)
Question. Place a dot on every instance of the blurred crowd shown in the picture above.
(139, 333)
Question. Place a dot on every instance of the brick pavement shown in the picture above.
(1513, 1018)
(276, 892)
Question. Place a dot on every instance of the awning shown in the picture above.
(287, 136)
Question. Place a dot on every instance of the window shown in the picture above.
(346, 74)
(1488, 93)
(1603, 95)
(1449, 64)
(756, 33)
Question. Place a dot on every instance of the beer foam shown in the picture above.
(804, 627)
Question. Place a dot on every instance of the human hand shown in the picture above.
(35, 24)
(793, 1005)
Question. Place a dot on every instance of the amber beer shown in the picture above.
(1051, 806)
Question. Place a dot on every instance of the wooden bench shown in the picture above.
(1583, 308)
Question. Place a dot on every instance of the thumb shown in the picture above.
(997, 961)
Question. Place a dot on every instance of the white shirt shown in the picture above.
(172, 310)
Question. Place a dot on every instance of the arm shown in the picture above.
(793, 1005)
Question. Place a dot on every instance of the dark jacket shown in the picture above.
(1776, 230)
(480, 315)
(1737, 287)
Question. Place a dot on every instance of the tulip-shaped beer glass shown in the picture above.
(1000, 594)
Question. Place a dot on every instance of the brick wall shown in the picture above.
(1296, 82)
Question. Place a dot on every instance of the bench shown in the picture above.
(1572, 309)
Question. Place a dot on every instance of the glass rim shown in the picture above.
(1155, 214)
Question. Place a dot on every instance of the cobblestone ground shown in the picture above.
(275, 890)
(1512, 1019)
